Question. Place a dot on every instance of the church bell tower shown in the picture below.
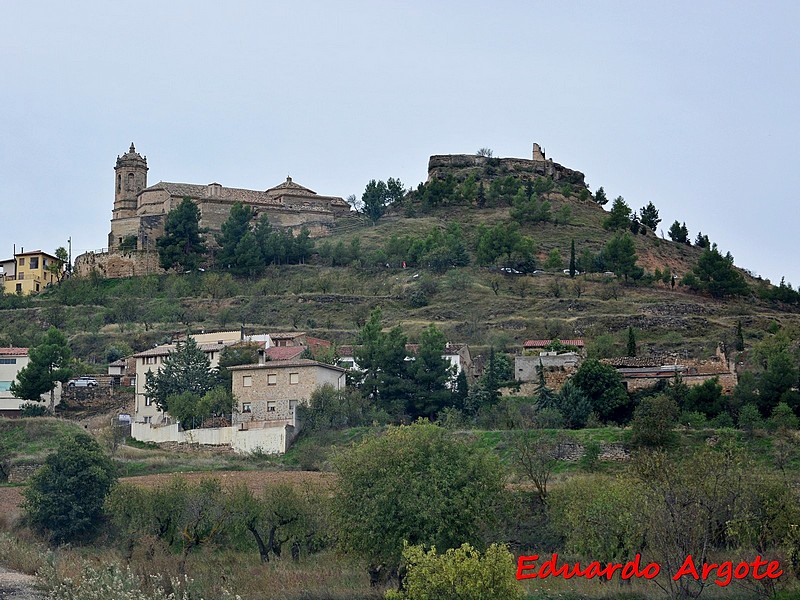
(130, 179)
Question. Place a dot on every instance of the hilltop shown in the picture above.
(480, 302)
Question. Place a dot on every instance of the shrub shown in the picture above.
(33, 409)
(458, 574)
(693, 419)
(65, 497)
(653, 422)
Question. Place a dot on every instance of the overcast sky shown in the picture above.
(689, 105)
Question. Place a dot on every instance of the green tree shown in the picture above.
(717, 276)
(329, 408)
(374, 200)
(619, 256)
(232, 232)
(602, 385)
(395, 190)
(182, 246)
(620, 215)
(49, 363)
(739, 336)
(432, 375)
(458, 574)
(649, 216)
(186, 370)
(600, 196)
(61, 267)
(416, 484)
(554, 260)
(631, 342)
(64, 498)
(679, 233)
(653, 422)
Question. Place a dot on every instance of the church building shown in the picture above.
(140, 211)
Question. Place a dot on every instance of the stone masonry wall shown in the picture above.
(115, 265)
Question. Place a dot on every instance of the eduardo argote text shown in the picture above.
(529, 567)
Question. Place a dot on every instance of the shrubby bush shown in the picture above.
(458, 574)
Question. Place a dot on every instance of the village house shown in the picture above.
(30, 272)
(269, 392)
(264, 418)
(12, 361)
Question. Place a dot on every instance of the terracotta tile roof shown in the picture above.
(287, 335)
(282, 364)
(544, 343)
(345, 350)
(410, 348)
(11, 351)
(284, 352)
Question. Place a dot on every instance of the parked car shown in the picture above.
(82, 382)
(566, 272)
(510, 271)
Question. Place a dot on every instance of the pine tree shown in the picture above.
(48, 364)
(181, 245)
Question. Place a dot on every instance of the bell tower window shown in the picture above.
(119, 183)
(130, 182)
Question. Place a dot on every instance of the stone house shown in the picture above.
(270, 391)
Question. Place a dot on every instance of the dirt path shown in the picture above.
(16, 586)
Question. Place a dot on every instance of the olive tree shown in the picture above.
(416, 484)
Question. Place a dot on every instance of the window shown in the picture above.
(19, 288)
(22, 261)
(5, 386)
(150, 360)
(272, 379)
(33, 263)
(8, 361)
(247, 381)
(148, 401)
(147, 419)
(270, 407)
(294, 378)
(119, 184)
(20, 276)
(246, 407)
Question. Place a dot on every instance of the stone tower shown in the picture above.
(130, 179)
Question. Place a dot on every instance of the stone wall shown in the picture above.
(115, 264)
(728, 381)
(526, 368)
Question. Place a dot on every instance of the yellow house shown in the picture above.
(31, 272)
